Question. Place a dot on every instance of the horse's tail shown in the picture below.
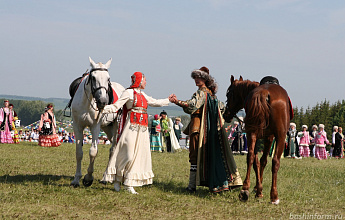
(257, 112)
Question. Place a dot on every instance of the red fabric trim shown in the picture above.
(115, 96)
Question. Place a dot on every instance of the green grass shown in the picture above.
(34, 183)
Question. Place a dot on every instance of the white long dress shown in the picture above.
(131, 161)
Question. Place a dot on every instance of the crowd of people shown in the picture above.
(165, 134)
(313, 144)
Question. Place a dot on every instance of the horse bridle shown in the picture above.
(233, 115)
(93, 89)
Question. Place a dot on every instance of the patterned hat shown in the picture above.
(137, 79)
(204, 73)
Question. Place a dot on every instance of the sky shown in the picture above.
(46, 44)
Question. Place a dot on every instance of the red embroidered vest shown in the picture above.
(139, 110)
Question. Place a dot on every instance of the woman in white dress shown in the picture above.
(130, 162)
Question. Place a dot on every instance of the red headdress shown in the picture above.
(137, 78)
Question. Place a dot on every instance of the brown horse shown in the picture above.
(268, 113)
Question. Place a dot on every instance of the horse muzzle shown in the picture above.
(101, 103)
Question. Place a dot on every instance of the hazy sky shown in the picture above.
(46, 44)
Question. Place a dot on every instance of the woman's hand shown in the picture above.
(109, 109)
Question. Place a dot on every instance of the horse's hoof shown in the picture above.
(75, 185)
(275, 202)
(244, 195)
(86, 182)
(259, 196)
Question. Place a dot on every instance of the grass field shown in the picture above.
(35, 184)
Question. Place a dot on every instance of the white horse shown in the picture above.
(87, 105)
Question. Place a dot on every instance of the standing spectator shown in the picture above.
(47, 128)
(14, 130)
(169, 140)
(292, 148)
(338, 143)
(130, 162)
(165, 130)
(239, 143)
(335, 131)
(155, 138)
(312, 136)
(304, 141)
(178, 128)
(6, 124)
(342, 143)
(210, 156)
(320, 140)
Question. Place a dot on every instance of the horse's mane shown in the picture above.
(257, 112)
(244, 87)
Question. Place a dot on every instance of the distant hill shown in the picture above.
(60, 103)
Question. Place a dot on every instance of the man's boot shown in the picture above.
(192, 179)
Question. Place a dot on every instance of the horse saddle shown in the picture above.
(269, 80)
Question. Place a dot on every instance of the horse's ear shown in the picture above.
(232, 79)
(92, 63)
(241, 79)
(107, 65)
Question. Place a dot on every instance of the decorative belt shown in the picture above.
(139, 110)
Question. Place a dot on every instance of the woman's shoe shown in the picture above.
(130, 189)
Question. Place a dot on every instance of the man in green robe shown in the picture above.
(210, 155)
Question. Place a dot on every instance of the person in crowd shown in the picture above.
(130, 161)
(320, 140)
(34, 136)
(155, 138)
(71, 138)
(312, 136)
(60, 136)
(338, 142)
(169, 140)
(14, 130)
(292, 150)
(208, 137)
(239, 140)
(178, 128)
(85, 139)
(335, 131)
(21, 135)
(232, 133)
(27, 136)
(304, 141)
(47, 129)
(342, 143)
(6, 124)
